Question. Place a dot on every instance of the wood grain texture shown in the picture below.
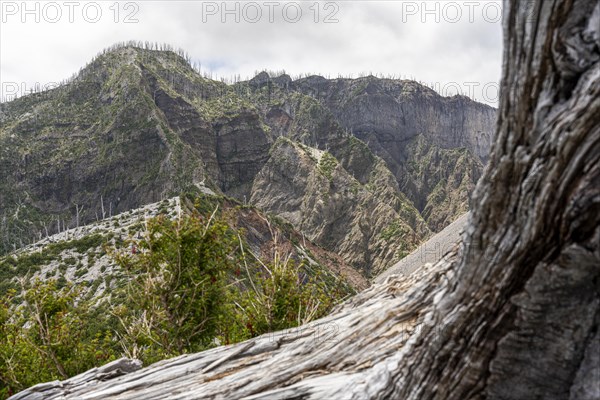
(513, 313)
(350, 351)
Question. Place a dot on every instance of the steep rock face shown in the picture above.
(134, 127)
(394, 111)
(242, 149)
(434, 146)
(370, 225)
(186, 121)
(137, 126)
(392, 116)
(96, 143)
(439, 180)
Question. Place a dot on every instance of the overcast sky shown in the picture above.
(449, 45)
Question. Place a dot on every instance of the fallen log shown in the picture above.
(513, 313)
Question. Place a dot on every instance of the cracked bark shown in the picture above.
(513, 313)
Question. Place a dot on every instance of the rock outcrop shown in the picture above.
(370, 224)
(137, 126)
(390, 112)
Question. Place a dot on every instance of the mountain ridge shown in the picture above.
(137, 126)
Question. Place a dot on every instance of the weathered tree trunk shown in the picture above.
(523, 312)
(513, 313)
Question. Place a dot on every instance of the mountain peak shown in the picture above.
(135, 55)
(260, 79)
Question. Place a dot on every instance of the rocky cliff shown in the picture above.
(375, 165)
(371, 224)
(434, 146)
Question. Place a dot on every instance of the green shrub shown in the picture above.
(327, 165)
(181, 267)
(47, 338)
(185, 283)
(283, 295)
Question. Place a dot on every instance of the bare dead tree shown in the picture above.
(514, 313)
(78, 213)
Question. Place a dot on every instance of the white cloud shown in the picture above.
(382, 37)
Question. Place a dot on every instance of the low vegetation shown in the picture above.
(191, 283)
(29, 263)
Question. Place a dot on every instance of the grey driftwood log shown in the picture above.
(512, 313)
